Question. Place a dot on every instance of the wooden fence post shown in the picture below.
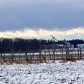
(4, 55)
(26, 56)
(66, 53)
(75, 55)
(12, 54)
(40, 48)
(19, 56)
(80, 54)
(3, 58)
(53, 50)
(45, 52)
(33, 55)
(72, 52)
(62, 53)
(49, 54)
(30, 55)
(54, 54)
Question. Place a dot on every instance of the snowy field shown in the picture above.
(43, 73)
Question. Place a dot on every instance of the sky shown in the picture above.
(63, 19)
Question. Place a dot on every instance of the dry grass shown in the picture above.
(71, 58)
(11, 62)
(24, 62)
(37, 61)
(44, 58)
(41, 60)
(1, 62)
(17, 62)
(63, 60)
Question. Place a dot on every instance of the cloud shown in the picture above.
(79, 35)
(41, 14)
(41, 33)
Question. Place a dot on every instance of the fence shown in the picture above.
(48, 54)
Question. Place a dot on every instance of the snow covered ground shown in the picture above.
(43, 73)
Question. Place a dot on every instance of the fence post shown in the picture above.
(75, 55)
(45, 52)
(53, 49)
(62, 53)
(19, 55)
(49, 51)
(33, 55)
(30, 55)
(72, 52)
(26, 56)
(54, 54)
(40, 48)
(66, 53)
(80, 54)
(49, 54)
(4, 55)
(3, 58)
(12, 54)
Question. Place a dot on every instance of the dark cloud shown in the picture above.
(49, 14)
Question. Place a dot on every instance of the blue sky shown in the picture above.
(64, 19)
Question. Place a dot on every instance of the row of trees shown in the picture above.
(19, 44)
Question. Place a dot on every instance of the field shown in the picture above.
(51, 72)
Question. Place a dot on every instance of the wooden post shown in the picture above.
(77, 48)
(56, 54)
(40, 48)
(26, 56)
(4, 55)
(80, 54)
(33, 55)
(65, 43)
(30, 55)
(49, 54)
(65, 48)
(3, 58)
(12, 54)
(19, 55)
(77, 43)
(62, 53)
(45, 52)
(68, 53)
(53, 50)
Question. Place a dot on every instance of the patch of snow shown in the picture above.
(43, 73)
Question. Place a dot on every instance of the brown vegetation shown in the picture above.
(70, 58)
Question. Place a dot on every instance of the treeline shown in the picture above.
(19, 44)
